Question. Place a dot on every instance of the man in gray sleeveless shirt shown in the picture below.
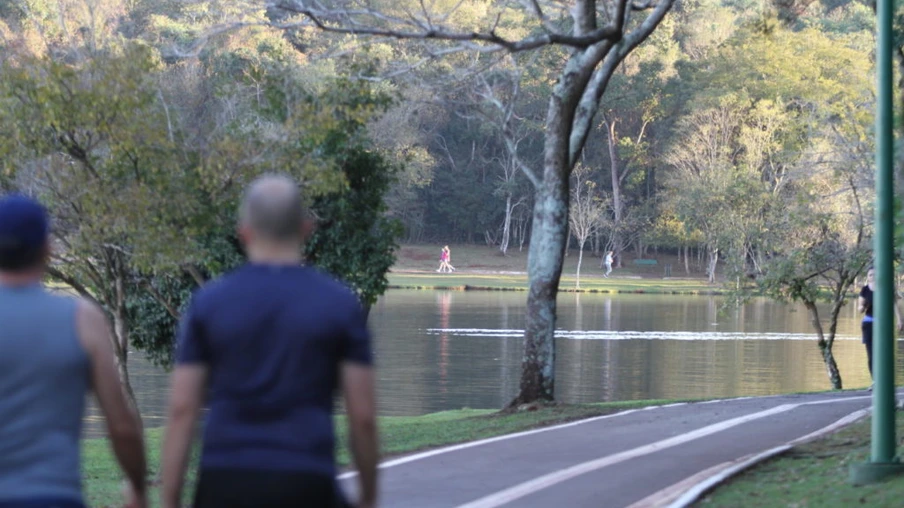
(53, 350)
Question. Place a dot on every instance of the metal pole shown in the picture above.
(883, 438)
(883, 463)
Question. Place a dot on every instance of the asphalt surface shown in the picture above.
(610, 461)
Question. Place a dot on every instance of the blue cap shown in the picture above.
(23, 230)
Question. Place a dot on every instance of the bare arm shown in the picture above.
(189, 382)
(358, 391)
(861, 305)
(123, 423)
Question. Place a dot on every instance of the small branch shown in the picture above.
(642, 6)
(195, 274)
(534, 6)
(161, 300)
(74, 284)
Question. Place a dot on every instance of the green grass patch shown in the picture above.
(481, 258)
(509, 282)
(398, 435)
(815, 474)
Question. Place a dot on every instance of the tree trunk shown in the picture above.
(121, 349)
(577, 276)
(506, 225)
(522, 234)
(687, 259)
(121, 334)
(825, 347)
(617, 204)
(713, 262)
(545, 258)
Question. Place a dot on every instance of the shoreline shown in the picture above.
(518, 281)
(468, 287)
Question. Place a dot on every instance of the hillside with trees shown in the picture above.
(736, 135)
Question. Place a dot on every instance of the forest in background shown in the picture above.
(740, 132)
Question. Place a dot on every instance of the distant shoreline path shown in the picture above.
(637, 458)
(503, 280)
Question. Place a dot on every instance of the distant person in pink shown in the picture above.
(447, 256)
(444, 261)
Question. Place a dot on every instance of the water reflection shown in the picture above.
(444, 301)
(448, 350)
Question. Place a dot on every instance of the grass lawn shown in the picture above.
(813, 475)
(398, 434)
(518, 282)
(483, 259)
(480, 267)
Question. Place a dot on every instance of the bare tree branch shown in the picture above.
(409, 29)
(74, 284)
(507, 111)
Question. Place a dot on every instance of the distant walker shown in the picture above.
(445, 261)
(610, 258)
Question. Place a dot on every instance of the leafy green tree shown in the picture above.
(820, 257)
(355, 240)
(90, 141)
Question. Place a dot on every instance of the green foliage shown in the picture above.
(142, 161)
(355, 240)
(153, 324)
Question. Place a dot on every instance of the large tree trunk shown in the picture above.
(545, 257)
(825, 346)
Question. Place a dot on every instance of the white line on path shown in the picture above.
(463, 446)
(418, 456)
(529, 487)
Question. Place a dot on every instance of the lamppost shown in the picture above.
(883, 458)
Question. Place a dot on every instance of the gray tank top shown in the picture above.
(44, 378)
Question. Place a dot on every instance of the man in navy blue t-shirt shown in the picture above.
(269, 345)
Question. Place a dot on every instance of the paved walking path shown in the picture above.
(626, 459)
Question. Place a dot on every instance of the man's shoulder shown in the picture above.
(70, 301)
(215, 289)
(312, 279)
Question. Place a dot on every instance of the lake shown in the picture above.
(439, 350)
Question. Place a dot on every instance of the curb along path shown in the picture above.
(657, 456)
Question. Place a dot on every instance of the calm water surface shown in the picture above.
(449, 350)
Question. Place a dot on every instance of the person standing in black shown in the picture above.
(865, 306)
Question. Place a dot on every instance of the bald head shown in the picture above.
(272, 209)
